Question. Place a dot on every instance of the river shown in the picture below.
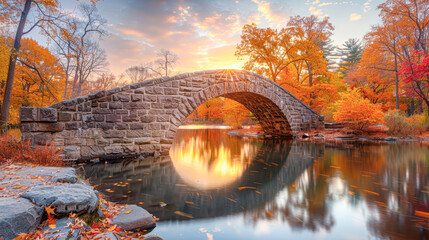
(216, 186)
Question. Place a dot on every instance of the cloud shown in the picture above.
(315, 11)
(270, 14)
(366, 6)
(355, 17)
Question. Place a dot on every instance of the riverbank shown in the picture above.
(373, 133)
(54, 202)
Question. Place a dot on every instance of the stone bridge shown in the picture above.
(143, 118)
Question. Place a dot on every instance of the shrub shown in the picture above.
(12, 149)
(360, 112)
(402, 126)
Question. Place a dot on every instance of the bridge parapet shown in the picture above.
(144, 117)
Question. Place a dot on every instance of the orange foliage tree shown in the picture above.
(360, 112)
(234, 113)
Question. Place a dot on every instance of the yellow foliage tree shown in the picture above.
(360, 112)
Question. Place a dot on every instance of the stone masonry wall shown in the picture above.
(144, 117)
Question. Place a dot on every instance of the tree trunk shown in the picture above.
(412, 107)
(12, 63)
(396, 78)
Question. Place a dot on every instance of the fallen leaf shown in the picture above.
(112, 228)
(50, 210)
(269, 213)
(19, 186)
(128, 211)
(183, 214)
(241, 188)
(421, 214)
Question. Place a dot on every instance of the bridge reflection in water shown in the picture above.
(209, 174)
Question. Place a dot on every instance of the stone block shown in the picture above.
(113, 118)
(154, 126)
(149, 98)
(46, 114)
(136, 97)
(115, 105)
(147, 119)
(64, 198)
(98, 117)
(121, 97)
(93, 151)
(121, 112)
(114, 134)
(113, 149)
(134, 218)
(73, 125)
(102, 111)
(65, 116)
(95, 95)
(105, 126)
(137, 126)
(171, 91)
(138, 134)
(121, 126)
(122, 141)
(28, 114)
(103, 105)
(163, 118)
(140, 141)
(130, 118)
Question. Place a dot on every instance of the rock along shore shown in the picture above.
(31, 194)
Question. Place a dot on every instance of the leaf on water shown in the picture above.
(183, 214)
(34, 177)
(421, 214)
(371, 192)
(351, 193)
(127, 212)
(241, 188)
(269, 213)
(162, 204)
(257, 192)
(124, 196)
(332, 166)
(141, 202)
(425, 191)
(189, 202)
(230, 199)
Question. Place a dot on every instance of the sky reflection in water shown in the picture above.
(235, 188)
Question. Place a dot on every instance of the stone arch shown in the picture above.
(144, 117)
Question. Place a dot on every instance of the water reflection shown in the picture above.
(282, 188)
(205, 160)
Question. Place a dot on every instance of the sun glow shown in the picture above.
(208, 168)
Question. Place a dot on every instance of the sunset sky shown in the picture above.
(204, 34)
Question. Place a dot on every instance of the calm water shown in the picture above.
(215, 186)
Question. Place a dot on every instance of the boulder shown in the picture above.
(18, 216)
(134, 220)
(106, 235)
(62, 231)
(65, 198)
(153, 238)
